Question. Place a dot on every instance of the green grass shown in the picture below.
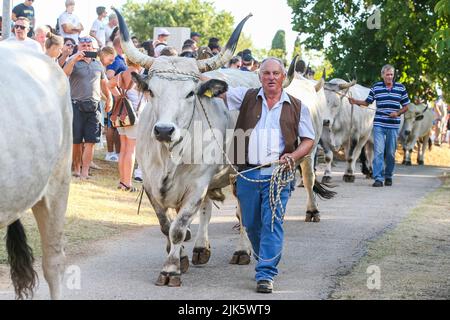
(96, 210)
(413, 257)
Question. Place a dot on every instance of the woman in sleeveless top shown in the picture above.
(128, 134)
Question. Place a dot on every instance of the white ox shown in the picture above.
(177, 108)
(312, 94)
(417, 124)
(351, 127)
(36, 144)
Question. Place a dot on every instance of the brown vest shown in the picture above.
(249, 115)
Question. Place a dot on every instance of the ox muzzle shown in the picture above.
(407, 133)
(164, 133)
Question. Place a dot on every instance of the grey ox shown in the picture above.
(180, 104)
(417, 124)
(350, 126)
(36, 144)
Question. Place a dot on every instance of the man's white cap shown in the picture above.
(163, 32)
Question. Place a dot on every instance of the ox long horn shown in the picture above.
(343, 86)
(128, 47)
(324, 74)
(226, 54)
(291, 72)
(319, 85)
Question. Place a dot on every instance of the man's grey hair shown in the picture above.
(280, 62)
(387, 67)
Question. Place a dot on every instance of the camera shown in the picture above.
(90, 54)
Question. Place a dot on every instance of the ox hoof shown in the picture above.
(316, 217)
(403, 162)
(184, 264)
(308, 217)
(201, 256)
(163, 279)
(174, 281)
(408, 163)
(188, 235)
(240, 258)
(349, 178)
(326, 179)
(420, 162)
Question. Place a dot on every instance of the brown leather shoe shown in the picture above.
(264, 286)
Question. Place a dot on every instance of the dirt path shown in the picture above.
(315, 256)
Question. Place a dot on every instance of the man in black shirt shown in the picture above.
(25, 10)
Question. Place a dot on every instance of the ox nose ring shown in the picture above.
(164, 134)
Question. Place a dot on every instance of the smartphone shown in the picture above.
(90, 54)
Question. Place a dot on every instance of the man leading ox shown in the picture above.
(392, 101)
(277, 120)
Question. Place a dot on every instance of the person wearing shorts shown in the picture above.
(87, 82)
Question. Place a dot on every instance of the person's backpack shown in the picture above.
(123, 114)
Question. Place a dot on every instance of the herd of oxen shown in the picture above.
(36, 137)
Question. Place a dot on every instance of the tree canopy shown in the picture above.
(278, 48)
(360, 36)
(200, 16)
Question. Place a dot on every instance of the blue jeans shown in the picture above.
(257, 220)
(385, 145)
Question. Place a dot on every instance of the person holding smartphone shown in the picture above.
(87, 83)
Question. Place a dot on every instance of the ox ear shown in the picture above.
(141, 81)
(212, 88)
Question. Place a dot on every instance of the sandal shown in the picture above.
(124, 187)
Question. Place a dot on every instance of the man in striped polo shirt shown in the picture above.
(392, 101)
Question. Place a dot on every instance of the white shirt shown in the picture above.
(266, 142)
(100, 31)
(108, 33)
(29, 43)
(68, 18)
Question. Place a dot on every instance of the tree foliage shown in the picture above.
(278, 48)
(297, 48)
(200, 16)
(401, 35)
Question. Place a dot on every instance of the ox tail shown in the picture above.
(430, 144)
(321, 189)
(20, 258)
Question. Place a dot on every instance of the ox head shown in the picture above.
(174, 84)
(335, 90)
(414, 114)
(334, 95)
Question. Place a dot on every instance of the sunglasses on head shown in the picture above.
(19, 27)
(85, 40)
